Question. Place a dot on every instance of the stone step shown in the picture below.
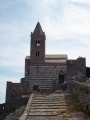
(47, 102)
(47, 110)
(49, 118)
(43, 113)
(43, 100)
(50, 107)
(48, 99)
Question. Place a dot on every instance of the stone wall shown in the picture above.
(82, 92)
(88, 72)
(77, 69)
(2, 111)
(17, 94)
(44, 74)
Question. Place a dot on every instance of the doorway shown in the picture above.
(61, 77)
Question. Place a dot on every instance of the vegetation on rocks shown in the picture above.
(83, 89)
(78, 106)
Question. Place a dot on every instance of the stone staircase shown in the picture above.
(43, 105)
(43, 76)
(53, 107)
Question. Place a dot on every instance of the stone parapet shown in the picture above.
(82, 92)
(26, 111)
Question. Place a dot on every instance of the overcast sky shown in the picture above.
(66, 24)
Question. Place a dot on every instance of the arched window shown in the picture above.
(38, 43)
(37, 53)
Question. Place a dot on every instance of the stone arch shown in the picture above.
(35, 87)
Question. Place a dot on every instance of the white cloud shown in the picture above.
(81, 1)
(74, 22)
(60, 19)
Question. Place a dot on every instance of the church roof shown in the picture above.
(53, 58)
(56, 58)
(38, 30)
(27, 57)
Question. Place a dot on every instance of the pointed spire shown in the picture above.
(38, 30)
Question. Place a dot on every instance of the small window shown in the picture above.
(14, 90)
(20, 90)
(38, 53)
(26, 90)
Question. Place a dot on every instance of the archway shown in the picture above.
(35, 87)
(61, 77)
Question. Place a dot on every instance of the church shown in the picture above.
(44, 70)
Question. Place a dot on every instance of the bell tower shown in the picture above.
(37, 49)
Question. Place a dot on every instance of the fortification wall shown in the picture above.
(76, 68)
(17, 94)
(82, 92)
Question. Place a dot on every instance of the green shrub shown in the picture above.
(83, 89)
(74, 98)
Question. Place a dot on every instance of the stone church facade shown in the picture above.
(46, 71)
(43, 70)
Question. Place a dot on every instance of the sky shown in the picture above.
(66, 24)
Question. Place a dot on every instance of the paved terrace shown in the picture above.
(55, 106)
